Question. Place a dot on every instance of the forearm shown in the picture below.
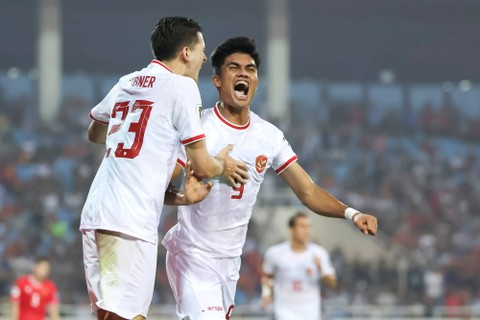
(54, 311)
(321, 202)
(312, 196)
(212, 167)
(267, 286)
(15, 311)
(204, 165)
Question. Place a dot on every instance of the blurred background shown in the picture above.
(380, 100)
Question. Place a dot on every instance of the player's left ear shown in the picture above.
(185, 54)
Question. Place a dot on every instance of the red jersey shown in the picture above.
(33, 297)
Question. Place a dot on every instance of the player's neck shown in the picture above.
(34, 280)
(298, 246)
(175, 66)
(238, 116)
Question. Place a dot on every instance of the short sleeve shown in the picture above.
(326, 263)
(182, 156)
(187, 111)
(284, 155)
(101, 112)
(268, 262)
(54, 299)
(15, 292)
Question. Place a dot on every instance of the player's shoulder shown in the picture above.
(207, 114)
(265, 125)
(49, 284)
(182, 82)
(318, 248)
(279, 247)
(22, 280)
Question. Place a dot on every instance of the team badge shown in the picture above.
(199, 110)
(261, 163)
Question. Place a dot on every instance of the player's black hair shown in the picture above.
(171, 34)
(293, 220)
(40, 259)
(231, 46)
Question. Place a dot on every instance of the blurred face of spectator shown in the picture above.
(41, 270)
(300, 231)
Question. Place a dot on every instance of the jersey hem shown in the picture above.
(94, 119)
(120, 230)
(193, 139)
(180, 162)
(286, 164)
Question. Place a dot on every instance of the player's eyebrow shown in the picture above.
(236, 64)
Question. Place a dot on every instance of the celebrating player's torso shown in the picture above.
(146, 114)
(218, 225)
(33, 297)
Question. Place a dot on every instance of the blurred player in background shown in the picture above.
(295, 268)
(34, 293)
(204, 247)
(142, 122)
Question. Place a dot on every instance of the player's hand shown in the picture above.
(195, 189)
(367, 224)
(234, 171)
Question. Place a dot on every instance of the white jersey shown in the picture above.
(218, 224)
(148, 112)
(296, 290)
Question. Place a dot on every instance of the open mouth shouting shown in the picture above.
(241, 88)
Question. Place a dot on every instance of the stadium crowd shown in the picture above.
(419, 172)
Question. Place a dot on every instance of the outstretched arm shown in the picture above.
(321, 202)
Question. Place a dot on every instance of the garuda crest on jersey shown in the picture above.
(261, 163)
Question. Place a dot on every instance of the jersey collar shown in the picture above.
(228, 123)
(34, 282)
(161, 64)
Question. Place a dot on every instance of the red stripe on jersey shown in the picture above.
(193, 139)
(180, 162)
(286, 164)
(228, 123)
(160, 63)
(93, 118)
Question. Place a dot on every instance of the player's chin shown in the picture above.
(241, 102)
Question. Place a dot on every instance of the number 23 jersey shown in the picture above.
(218, 224)
(148, 114)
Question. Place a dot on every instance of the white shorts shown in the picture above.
(204, 287)
(120, 272)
